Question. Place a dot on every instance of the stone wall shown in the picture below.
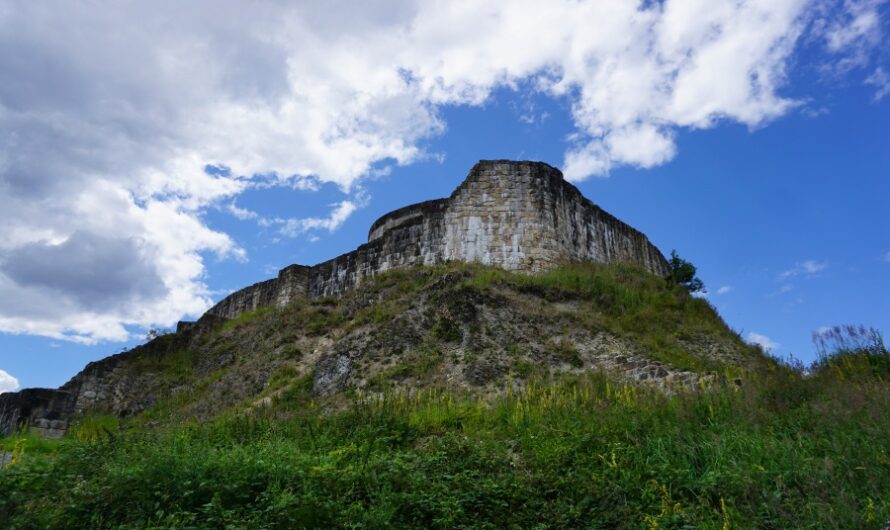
(46, 411)
(290, 285)
(522, 216)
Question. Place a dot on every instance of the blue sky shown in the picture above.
(752, 137)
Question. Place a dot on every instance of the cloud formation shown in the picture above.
(111, 111)
(8, 383)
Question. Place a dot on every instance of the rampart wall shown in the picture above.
(521, 216)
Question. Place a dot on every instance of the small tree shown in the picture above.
(683, 274)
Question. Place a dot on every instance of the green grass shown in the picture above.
(628, 303)
(247, 317)
(171, 366)
(419, 365)
(782, 451)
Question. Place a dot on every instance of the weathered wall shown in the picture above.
(523, 216)
(46, 411)
(413, 238)
(290, 285)
(518, 215)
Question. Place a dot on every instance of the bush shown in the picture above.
(683, 274)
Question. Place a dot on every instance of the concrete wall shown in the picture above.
(522, 216)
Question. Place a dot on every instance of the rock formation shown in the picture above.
(522, 216)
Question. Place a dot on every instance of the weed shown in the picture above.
(556, 454)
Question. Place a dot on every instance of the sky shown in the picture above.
(156, 156)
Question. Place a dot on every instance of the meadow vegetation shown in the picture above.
(783, 446)
(785, 450)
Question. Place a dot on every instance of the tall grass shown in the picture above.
(782, 451)
(851, 351)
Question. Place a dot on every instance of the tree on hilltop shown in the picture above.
(683, 274)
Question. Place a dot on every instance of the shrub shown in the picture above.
(683, 274)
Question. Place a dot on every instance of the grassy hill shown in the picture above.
(457, 326)
(469, 397)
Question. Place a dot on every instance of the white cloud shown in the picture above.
(880, 79)
(861, 22)
(851, 30)
(762, 340)
(8, 383)
(242, 214)
(109, 113)
(341, 211)
(725, 289)
(809, 268)
(887, 257)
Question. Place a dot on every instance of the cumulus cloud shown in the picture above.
(8, 383)
(725, 289)
(763, 341)
(122, 122)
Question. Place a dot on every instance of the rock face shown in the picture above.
(521, 216)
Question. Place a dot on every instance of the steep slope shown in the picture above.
(457, 326)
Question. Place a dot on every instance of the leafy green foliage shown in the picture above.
(683, 274)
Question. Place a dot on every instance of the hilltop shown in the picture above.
(458, 326)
